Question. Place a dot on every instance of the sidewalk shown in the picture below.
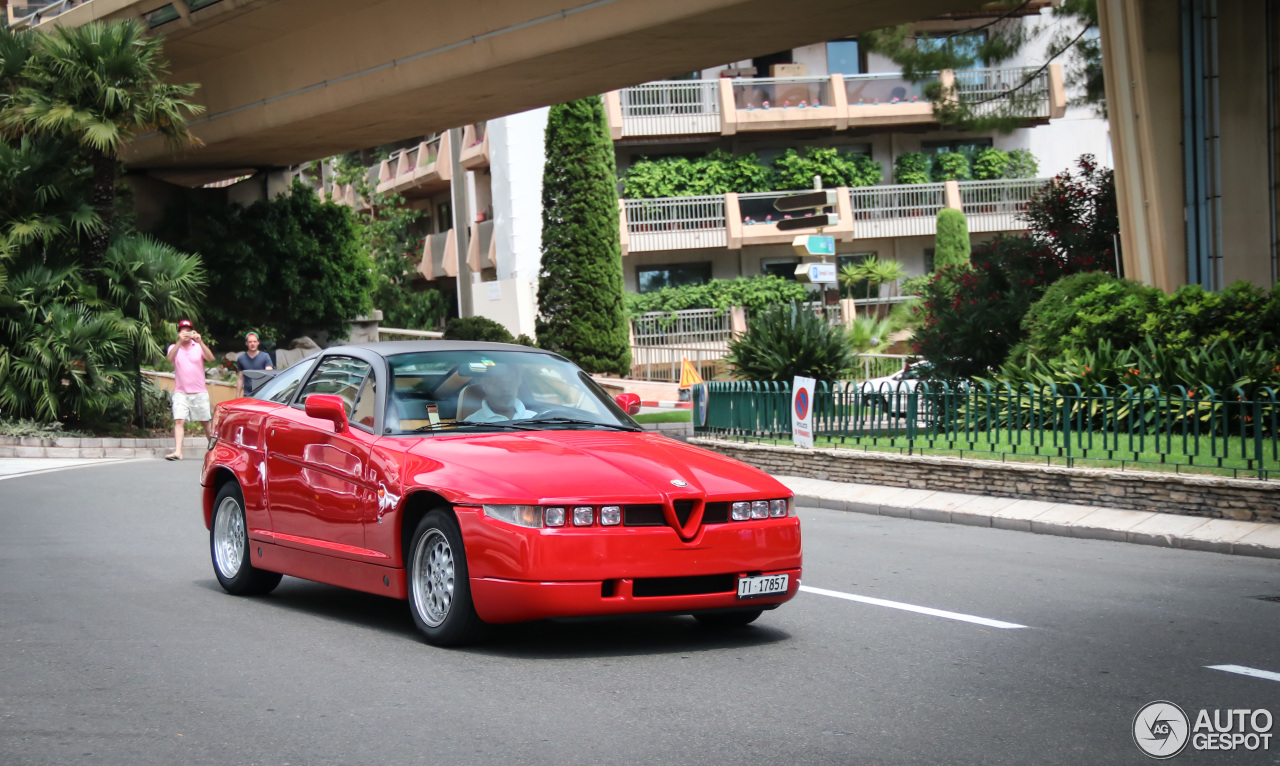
(1244, 538)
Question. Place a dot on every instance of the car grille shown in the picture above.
(651, 587)
(651, 515)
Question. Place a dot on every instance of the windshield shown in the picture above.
(495, 390)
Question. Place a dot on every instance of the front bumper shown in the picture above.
(498, 600)
(528, 574)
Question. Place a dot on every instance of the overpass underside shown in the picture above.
(286, 81)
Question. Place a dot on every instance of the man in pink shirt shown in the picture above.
(190, 394)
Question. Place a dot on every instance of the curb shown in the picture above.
(669, 405)
(1198, 533)
(71, 447)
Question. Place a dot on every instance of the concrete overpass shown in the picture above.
(286, 81)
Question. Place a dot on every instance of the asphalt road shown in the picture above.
(118, 647)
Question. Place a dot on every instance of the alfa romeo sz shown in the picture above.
(486, 483)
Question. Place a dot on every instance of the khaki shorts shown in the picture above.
(191, 406)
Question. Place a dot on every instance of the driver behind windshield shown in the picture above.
(500, 385)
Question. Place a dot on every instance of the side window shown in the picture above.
(281, 387)
(340, 376)
(366, 402)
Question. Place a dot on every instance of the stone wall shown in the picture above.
(193, 447)
(1189, 495)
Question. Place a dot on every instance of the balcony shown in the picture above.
(482, 248)
(475, 147)
(835, 102)
(418, 172)
(872, 212)
(439, 256)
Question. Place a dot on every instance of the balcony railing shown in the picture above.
(782, 92)
(671, 108)
(869, 212)
(706, 328)
(995, 205)
(864, 89)
(730, 106)
(675, 223)
(896, 211)
(1002, 92)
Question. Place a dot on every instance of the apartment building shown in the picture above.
(833, 94)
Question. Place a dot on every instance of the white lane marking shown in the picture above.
(1244, 671)
(96, 461)
(913, 608)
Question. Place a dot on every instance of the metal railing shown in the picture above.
(896, 211)
(664, 363)
(832, 312)
(1233, 434)
(671, 108)
(708, 328)
(995, 205)
(881, 365)
(398, 333)
(34, 12)
(781, 92)
(675, 223)
(875, 89)
(1012, 91)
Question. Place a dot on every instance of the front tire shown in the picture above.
(722, 620)
(229, 547)
(439, 588)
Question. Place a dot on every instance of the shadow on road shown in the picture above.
(560, 639)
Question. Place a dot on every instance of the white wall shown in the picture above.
(516, 159)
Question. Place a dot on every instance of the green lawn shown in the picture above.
(1197, 457)
(674, 416)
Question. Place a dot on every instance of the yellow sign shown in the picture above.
(689, 376)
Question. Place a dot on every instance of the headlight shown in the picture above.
(611, 515)
(583, 515)
(553, 517)
(760, 509)
(777, 508)
(741, 511)
(520, 515)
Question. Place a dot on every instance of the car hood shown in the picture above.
(579, 466)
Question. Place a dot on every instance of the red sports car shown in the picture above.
(486, 483)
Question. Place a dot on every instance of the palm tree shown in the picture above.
(873, 272)
(148, 281)
(99, 85)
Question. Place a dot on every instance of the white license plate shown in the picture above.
(765, 585)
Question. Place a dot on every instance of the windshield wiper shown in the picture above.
(470, 424)
(578, 422)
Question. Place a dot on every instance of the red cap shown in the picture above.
(185, 323)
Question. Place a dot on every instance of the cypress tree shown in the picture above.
(580, 292)
(951, 245)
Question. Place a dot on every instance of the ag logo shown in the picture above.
(1160, 729)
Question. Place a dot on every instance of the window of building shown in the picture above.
(764, 63)
(968, 44)
(928, 260)
(961, 145)
(846, 57)
(651, 278)
(444, 216)
(779, 267)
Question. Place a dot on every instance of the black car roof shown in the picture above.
(393, 347)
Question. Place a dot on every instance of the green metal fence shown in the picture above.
(1227, 433)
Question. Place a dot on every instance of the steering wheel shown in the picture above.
(560, 412)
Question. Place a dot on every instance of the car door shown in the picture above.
(316, 478)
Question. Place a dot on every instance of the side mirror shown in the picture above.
(327, 407)
(630, 403)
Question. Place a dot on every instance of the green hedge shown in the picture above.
(754, 293)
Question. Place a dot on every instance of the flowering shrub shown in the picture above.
(972, 316)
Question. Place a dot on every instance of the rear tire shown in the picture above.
(230, 550)
(721, 620)
(439, 586)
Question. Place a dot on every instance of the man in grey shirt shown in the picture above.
(253, 359)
